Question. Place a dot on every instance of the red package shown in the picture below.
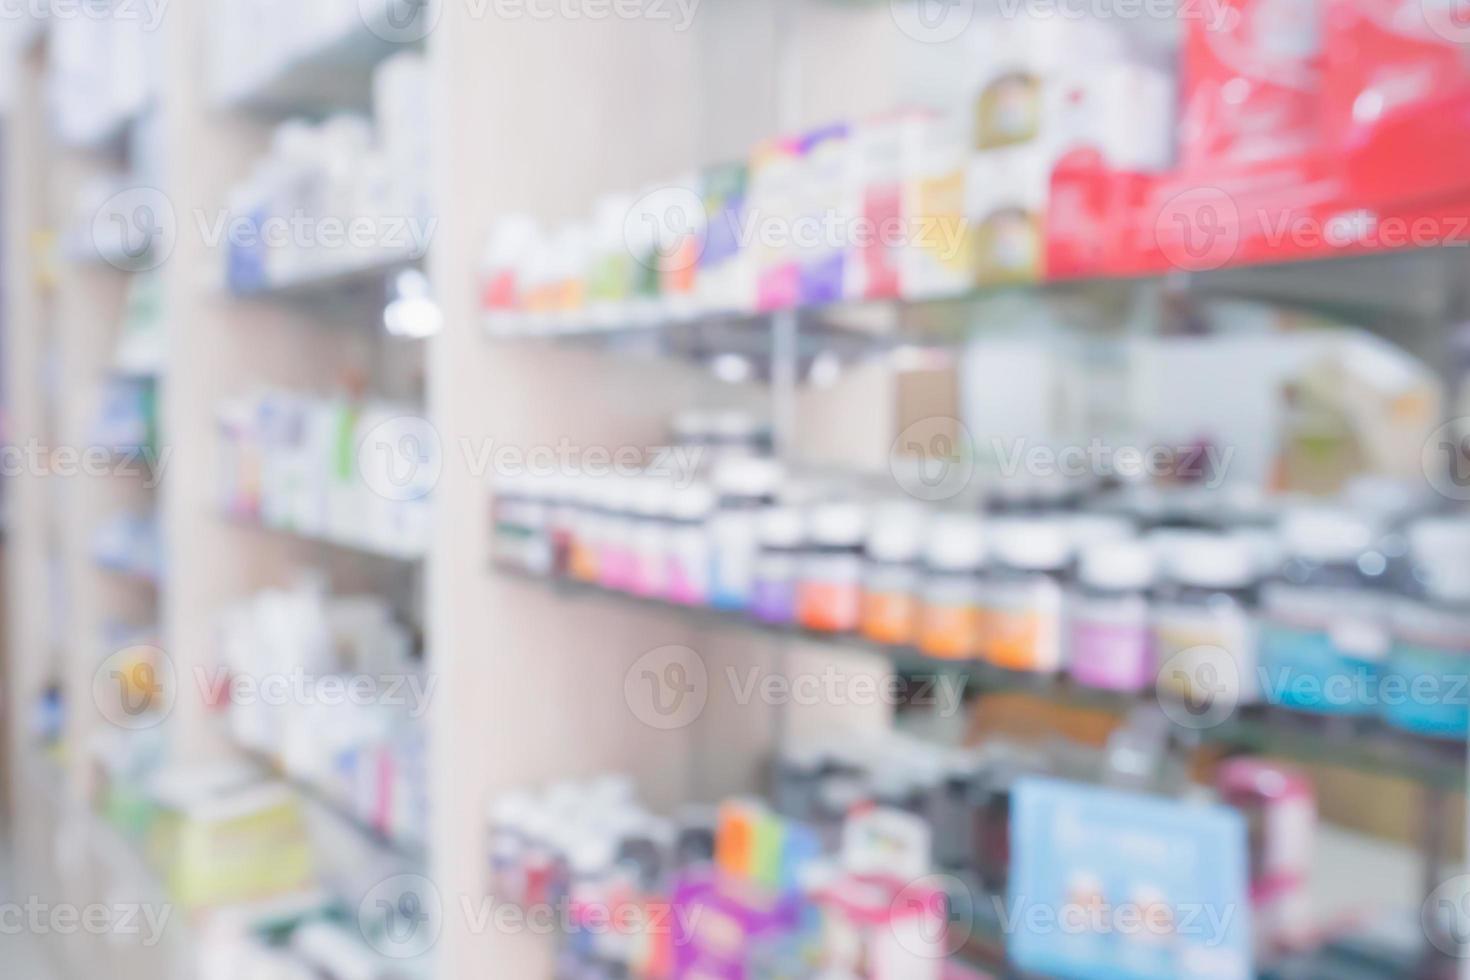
(1396, 96)
(1252, 81)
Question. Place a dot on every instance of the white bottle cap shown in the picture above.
(955, 543)
(1327, 534)
(1265, 545)
(612, 789)
(652, 497)
(511, 811)
(1213, 561)
(618, 493)
(585, 491)
(1118, 565)
(1384, 497)
(750, 476)
(693, 428)
(838, 525)
(692, 503)
(780, 527)
(736, 427)
(1032, 545)
(1086, 530)
(592, 856)
(1440, 547)
(896, 533)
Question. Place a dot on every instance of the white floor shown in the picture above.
(20, 954)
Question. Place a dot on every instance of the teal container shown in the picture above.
(1304, 670)
(1426, 690)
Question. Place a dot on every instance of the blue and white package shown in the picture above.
(1109, 885)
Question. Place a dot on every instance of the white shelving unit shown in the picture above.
(528, 115)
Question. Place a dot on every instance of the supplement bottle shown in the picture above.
(510, 520)
(652, 521)
(1425, 681)
(1323, 630)
(829, 593)
(891, 576)
(1110, 638)
(745, 486)
(1021, 604)
(779, 532)
(1204, 626)
(688, 578)
(587, 538)
(949, 615)
(562, 523)
(615, 561)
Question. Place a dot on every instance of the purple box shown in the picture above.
(726, 920)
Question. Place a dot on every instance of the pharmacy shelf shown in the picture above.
(1386, 291)
(366, 282)
(821, 338)
(1279, 732)
(986, 949)
(363, 548)
(413, 856)
(517, 685)
(337, 73)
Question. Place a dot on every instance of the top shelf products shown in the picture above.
(348, 194)
(1066, 158)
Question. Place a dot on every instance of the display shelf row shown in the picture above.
(413, 856)
(1391, 293)
(1268, 730)
(323, 62)
(353, 546)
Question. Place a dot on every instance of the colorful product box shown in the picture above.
(503, 272)
(1123, 109)
(825, 244)
(1396, 96)
(878, 146)
(937, 260)
(1121, 886)
(1021, 61)
(725, 284)
(682, 218)
(881, 928)
(775, 197)
(610, 277)
(1006, 210)
(1281, 810)
(1252, 79)
(729, 922)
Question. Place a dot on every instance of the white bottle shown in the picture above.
(503, 274)
(745, 487)
(1204, 626)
